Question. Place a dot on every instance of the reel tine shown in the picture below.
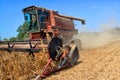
(8, 44)
(9, 47)
(35, 45)
(30, 44)
(12, 46)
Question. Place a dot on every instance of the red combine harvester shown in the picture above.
(50, 31)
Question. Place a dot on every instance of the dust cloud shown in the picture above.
(98, 39)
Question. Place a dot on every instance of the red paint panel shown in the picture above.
(35, 35)
(64, 23)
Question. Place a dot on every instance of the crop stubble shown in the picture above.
(101, 63)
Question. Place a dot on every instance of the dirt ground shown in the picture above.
(101, 63)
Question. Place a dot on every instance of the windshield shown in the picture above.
(31, 21)
(36, 22)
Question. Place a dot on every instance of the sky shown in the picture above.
(97, 13)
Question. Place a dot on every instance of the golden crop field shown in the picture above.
(17, 66)
(101, 63)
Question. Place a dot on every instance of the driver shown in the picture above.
(55, 44)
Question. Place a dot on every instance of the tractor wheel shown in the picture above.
(74, 54)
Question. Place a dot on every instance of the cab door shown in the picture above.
(43, 21)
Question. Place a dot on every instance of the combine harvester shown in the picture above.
(42, 25)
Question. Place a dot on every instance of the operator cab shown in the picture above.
(41, 21)
(36, 18)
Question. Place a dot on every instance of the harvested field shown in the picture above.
(101, 63)
(95, 64)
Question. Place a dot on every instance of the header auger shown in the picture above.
(42, 24)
